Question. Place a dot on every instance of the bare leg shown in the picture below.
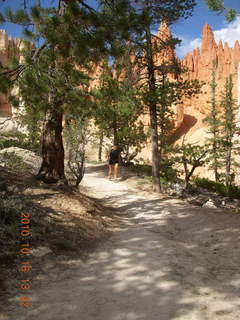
(110, 170)
(116, 171)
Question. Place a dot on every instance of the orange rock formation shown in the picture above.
(9, 48)
(200, 64)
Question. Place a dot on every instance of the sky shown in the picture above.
(189, 31)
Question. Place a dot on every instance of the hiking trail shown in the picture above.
(166, 260)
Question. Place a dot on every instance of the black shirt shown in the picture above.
(114, 156)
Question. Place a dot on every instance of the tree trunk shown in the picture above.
(155, 151)
(215, 124)
(153, 115)
(215, 162)
(100, 147)
(186, 172)
(186, 183)
(228, 165)
(52, 168)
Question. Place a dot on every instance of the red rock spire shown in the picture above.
(164, 32)
(167, 54)
(209, 46)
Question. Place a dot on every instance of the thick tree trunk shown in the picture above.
(52, 168)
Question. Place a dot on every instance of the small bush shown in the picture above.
(142, 169)
(13, 161)
(18, 139)
(77, 134)
(167, 172)
(7, 143)
(218, 187)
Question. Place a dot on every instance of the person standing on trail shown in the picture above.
(114, 161)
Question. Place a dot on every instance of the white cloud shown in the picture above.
(229, 34)
(187, 45)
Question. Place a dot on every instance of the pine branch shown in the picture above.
(22, 24)
(82, 2)
(14, 74)
(38, 51)
(110, 3)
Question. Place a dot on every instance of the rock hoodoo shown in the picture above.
(9, 48)
(200, 64)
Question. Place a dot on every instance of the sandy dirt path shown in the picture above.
(166, 260)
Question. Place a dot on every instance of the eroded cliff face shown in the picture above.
(9, 48)
(200, 65)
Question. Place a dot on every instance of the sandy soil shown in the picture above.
(165, 260)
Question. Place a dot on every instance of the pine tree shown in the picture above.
(191, 157)
(70, 34)
(171, 93)
(229, 130)
(118, 109)
(214, 124)
(54, 93)
(148, 14)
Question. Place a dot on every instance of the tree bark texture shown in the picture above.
(100, 147)
(52, 168)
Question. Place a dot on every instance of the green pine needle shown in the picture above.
(231, 15)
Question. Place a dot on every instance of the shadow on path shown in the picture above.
(169, 260)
